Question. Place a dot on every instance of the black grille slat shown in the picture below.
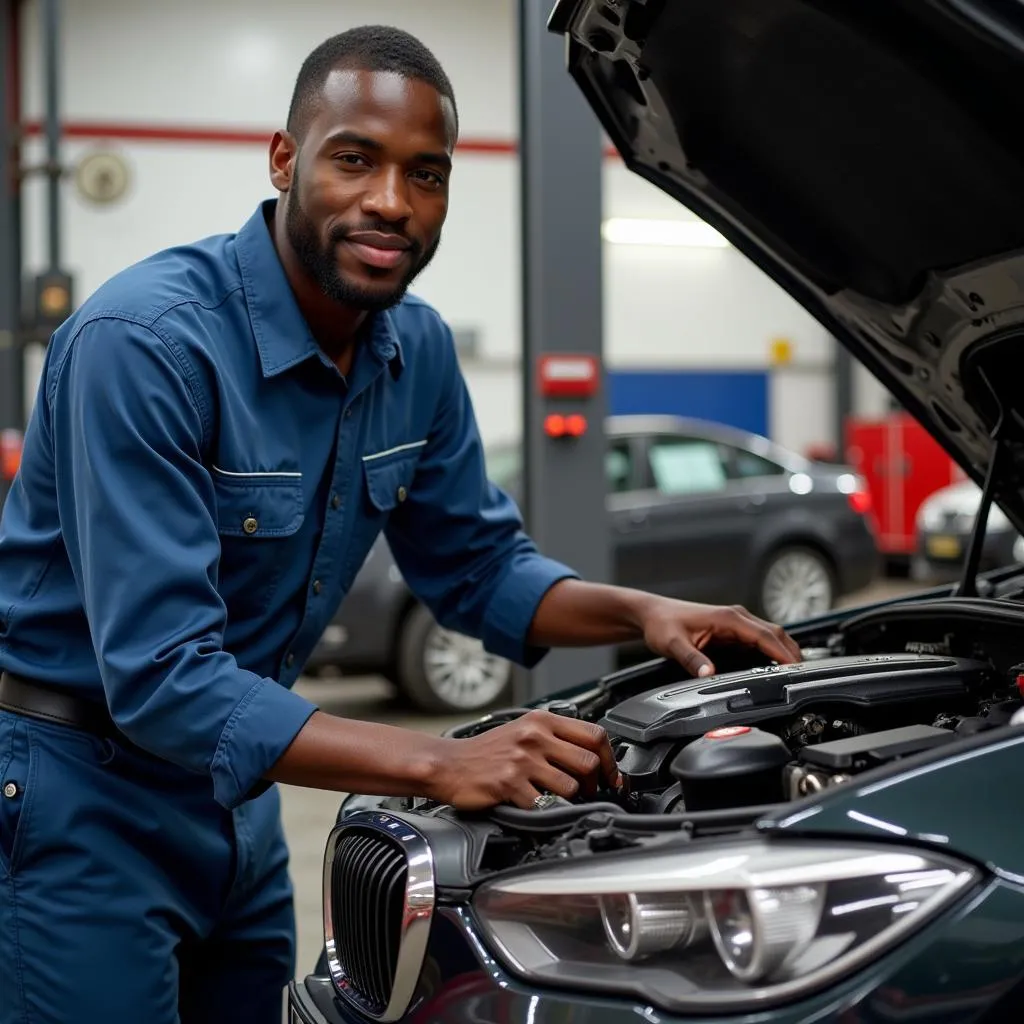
(361, 920)
(348, 852)
(394, 909)
(368, 883)
(348, 919)
(375, 928)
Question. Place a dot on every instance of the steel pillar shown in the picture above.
(51, 82)
(11, 413)
(564, 478)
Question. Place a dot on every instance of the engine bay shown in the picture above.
(717, 753)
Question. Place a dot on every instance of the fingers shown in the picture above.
(769, 638)
(694, 661)
(584, 748)
(545, 779)
(554, 781)
(524, 795)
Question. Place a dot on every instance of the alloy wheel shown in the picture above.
(797, 585)
(461, 672)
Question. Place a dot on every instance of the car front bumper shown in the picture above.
(966, 965)
(940, 554)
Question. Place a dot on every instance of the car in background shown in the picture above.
(945, 522)
(697, 510)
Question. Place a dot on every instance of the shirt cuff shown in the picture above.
(259, 731)
(511, 610)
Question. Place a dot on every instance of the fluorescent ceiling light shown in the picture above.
(690, 233)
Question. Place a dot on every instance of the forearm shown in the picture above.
(351, 756)
(578, 614)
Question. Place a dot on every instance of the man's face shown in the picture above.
(368, 190)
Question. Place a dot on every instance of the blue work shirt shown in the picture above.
(200, 486)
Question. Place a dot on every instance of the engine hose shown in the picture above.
(558, 818)
(550, 820)
(696, 820)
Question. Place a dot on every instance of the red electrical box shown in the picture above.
(902, 464)
(568, 375)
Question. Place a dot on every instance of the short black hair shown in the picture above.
(365, 48)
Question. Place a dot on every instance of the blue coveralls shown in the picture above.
(199, 487)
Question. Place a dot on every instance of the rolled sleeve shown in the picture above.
(138, 519)
(259, 731)
(510, 612)
(459, 540)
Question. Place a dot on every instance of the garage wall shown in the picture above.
(141, 77)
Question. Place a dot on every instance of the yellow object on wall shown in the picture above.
(781, 351)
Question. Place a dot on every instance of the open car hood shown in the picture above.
(868, 156)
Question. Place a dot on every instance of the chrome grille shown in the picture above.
(378, 902)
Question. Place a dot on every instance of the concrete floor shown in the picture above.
(309, 815)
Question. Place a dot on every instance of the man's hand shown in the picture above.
(510, 763)
(681, 630)
(573, 613)
(515, 763)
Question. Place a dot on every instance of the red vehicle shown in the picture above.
(902, 465)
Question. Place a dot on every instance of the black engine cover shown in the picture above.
(692, 707)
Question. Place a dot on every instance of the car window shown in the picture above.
(746, 465)
(618, 467)
(686, 466)
(505, 464)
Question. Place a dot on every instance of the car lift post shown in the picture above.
(563, 388)
(11, 413)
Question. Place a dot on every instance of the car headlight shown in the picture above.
(997, 519)
(930, 516)
(734, 925)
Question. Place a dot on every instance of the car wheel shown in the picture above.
(443, 671)
(796, 583)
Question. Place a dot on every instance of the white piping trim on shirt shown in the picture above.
(392, 451)
(245, 476)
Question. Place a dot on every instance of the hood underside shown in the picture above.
(868, 155)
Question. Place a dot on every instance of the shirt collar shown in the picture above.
(282, 335)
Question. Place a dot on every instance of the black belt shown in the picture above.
(36, 700)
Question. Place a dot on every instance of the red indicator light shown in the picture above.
(554, 425)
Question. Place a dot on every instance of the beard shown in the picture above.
(320, 260)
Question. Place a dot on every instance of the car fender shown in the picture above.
(800, 527)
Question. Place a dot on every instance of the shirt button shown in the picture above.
(290, 660)
(11, 790)
(401, 494)
(250, 525)
(335, 501)
(348, 413)
(317, 586)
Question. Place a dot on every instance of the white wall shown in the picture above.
(232, 63)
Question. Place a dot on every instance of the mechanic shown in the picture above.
(220, 433)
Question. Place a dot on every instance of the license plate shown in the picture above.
(944, 547)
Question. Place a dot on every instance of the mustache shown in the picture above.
(341, 234)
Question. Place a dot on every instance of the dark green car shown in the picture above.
(839, 840)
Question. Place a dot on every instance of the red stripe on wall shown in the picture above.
(223, 136)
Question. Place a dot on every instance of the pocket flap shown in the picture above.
(388, 482)
(258, 506)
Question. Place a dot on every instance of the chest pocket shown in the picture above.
(257, 516)
(389, 477)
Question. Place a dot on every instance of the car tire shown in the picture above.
(796, 582)
(441, 671)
